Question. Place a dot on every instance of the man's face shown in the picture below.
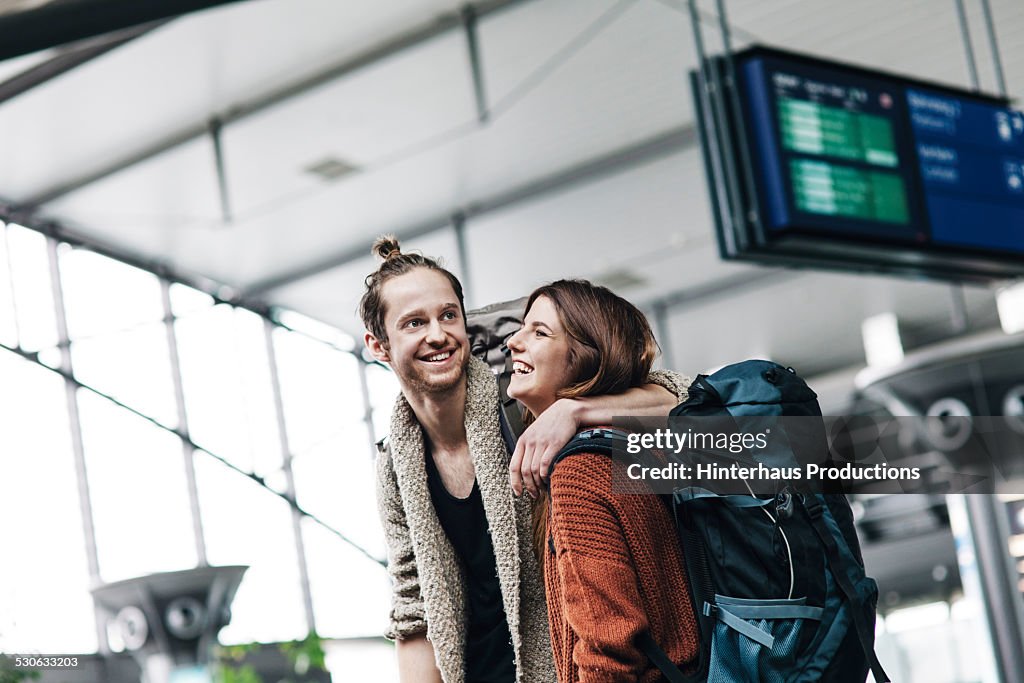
(427, 346)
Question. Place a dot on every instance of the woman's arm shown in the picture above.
(600, 593)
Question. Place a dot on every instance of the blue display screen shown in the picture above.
(971, 160)
(839, 151)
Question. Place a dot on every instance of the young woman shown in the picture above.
(613, 569)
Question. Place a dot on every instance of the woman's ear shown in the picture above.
(377, 348)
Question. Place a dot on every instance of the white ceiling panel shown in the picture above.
(368, 120)
(182, 75)
(274, 237)
(617, 223)
(154, 207)
(626, 84)
(921, 38)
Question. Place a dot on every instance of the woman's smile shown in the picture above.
(540, 358)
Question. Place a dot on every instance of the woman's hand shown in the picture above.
(540, 443)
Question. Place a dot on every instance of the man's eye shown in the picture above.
(414, 323)
(448, 315)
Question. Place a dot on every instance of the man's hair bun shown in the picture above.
(385, 247)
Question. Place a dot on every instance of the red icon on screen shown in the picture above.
(885, 99)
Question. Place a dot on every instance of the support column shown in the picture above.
(992, 571)
(459, 227)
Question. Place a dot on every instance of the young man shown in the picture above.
(468, 603)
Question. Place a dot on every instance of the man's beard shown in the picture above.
(418, 380)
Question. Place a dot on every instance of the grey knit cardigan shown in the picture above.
(428, 586)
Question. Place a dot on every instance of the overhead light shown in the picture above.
(882, 344)
(1010, 303)
(329, 168)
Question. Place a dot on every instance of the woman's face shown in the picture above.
(540, 358)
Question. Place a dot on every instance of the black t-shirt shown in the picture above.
(489, 654)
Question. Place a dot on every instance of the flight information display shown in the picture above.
(841, 152)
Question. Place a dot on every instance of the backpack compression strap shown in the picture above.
(835, 561)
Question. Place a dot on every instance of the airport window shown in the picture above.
(245, 524)
(138, 491)
(350, 590)
(383, 387)
(115, 327)
(135, 460)
(44, 577)
(32, 289)
(228, 400)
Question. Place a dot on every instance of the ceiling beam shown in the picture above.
(656, 147)
(394, 45)
(70, 58)
(65, 21)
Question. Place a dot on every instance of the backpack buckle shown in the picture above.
(594, 433)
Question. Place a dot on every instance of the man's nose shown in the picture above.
(435, 333)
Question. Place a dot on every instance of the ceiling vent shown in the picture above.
(330, 168)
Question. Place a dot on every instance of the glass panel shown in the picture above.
(139, 494)
(119, 343)
(351, 593)
(334, 480)
(185, 301)
(384, 390)
(333, 456)
(33, 292)
(245, 524)
(8, 321)
(226, 379)
(44, 577)
(321, 392)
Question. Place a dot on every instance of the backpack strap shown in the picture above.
(594, 440)
(836, 563)
(660, 659)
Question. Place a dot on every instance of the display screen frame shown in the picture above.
(739, 146)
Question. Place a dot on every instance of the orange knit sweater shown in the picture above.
(617, 570)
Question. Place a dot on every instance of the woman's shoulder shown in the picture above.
(582, 472)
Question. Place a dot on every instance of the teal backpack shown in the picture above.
(778, 582)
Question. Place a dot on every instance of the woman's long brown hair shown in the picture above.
(611, 349)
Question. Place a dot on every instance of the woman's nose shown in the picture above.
(514, 342)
